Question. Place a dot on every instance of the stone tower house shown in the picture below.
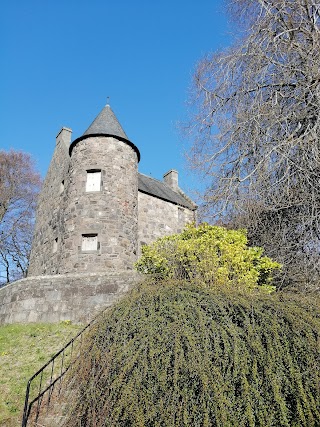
(95, 210)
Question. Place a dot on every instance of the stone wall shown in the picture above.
(158, 218)
(66, 211)
(52, 299)
(45, 258)
(111, 213)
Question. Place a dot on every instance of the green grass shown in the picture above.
(23, 350)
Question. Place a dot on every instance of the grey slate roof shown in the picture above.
(161, 190)
(106, 123)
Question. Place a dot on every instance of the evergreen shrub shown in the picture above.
(182, 354)
(212, 254)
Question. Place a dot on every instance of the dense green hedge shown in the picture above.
(179, 354)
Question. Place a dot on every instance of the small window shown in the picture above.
(55, 245)
(93, 180)
(89, 242)
(62, 187)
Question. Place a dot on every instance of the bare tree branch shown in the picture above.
(19, 187)
(256, 131)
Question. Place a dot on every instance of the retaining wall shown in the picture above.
(51, 299)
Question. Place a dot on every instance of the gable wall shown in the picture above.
(49, 221)
(158, 218)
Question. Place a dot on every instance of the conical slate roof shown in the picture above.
(106, 123)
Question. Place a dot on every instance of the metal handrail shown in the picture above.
(28, 405)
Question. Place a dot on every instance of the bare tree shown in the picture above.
(256, 131)
(19, 187)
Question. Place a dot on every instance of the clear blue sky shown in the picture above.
(61, 59)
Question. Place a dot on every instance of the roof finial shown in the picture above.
(108, 100)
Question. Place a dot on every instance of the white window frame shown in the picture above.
(89, 242)
(93, 181)
(62, 187)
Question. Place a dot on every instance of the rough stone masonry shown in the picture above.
(94, 213)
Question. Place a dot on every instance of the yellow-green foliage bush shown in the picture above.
(185, 355)
(212, 254)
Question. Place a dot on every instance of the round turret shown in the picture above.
(101, 212)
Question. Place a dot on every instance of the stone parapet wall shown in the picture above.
(74, 297)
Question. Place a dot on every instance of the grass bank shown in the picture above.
(23, 350)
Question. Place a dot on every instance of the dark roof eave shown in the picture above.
(126, 141)
(167, 200)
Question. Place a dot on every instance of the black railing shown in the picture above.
(46, 384)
